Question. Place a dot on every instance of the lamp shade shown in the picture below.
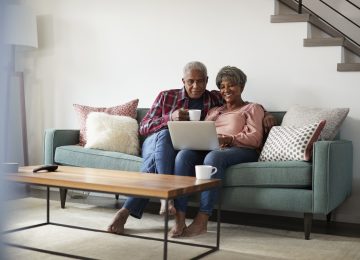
(20, 26)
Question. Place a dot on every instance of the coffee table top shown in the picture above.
(113, 181)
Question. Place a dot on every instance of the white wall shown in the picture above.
(104, 53)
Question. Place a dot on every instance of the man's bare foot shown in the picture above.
(178, 229)
(118, 223)
(171, 208)
(198, 226)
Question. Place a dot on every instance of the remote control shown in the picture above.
(49, 168)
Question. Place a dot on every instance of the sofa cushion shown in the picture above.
(288, 174)
(127, 109)
(112, 133)
(287, 143)
(76, 155)
(301, 115)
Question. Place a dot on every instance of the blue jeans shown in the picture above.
(185, 166)
(158, 157)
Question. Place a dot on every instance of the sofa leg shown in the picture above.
(307, 224)
(63, 193)
(117, 196)
(328, 217)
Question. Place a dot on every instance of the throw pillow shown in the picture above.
(300, 115)
(288, 143)
(112, 133)
(127, 109)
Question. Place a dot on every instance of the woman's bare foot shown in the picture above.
(198, 226)
(171, 208)
(178, 229)
(118, 223)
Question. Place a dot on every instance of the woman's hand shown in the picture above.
(225, 140)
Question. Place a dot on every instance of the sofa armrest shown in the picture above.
(58, 137)
(332, 174)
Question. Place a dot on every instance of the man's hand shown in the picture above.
(180, 115)
(268, 122)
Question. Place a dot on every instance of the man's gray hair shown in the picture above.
(195, 65)
(232, 74)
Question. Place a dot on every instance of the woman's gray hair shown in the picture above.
(195, 65)
(232, 74)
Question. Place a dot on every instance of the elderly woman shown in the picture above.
(240, 132)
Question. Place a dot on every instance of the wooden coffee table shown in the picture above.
(119, 182)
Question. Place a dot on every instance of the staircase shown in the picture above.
(320, 32)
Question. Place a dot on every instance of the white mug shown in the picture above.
(204, 172)
(194, 114)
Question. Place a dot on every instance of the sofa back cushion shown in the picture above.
(279, 115)
(299, 116)
(112, 133)
(288, 143)
(127, 109)
(140, 114)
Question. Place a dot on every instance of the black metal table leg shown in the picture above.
(218, 219)
(47, 204)
(166, 229)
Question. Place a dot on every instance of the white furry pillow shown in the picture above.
(112, 133)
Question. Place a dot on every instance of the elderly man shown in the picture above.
(157, 151)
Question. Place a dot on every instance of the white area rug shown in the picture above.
(237, 241)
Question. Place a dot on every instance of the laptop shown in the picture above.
(193, 135)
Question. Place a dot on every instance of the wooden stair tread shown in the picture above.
(332, 41)
(289, 18)
(348, 67)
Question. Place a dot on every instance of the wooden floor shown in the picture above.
(249, 219)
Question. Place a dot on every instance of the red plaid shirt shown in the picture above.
(170, 100)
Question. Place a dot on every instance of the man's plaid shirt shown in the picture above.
(170, 100)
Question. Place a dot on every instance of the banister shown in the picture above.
(300, 6)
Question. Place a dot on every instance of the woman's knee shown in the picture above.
(185, 163)
(214, 158)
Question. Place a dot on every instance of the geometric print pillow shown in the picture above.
(127, 109)
(288, 143)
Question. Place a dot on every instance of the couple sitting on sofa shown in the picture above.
(239, 124)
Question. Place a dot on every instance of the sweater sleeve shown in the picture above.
(252, 132)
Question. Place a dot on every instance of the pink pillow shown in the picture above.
(127, 109)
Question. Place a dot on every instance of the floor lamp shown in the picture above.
(20, 32)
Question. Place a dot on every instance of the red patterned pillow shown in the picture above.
(127, 109)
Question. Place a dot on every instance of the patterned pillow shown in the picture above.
(287, 143)
(127, 109)
(300, 115)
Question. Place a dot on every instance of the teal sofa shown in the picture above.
(316, 187)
